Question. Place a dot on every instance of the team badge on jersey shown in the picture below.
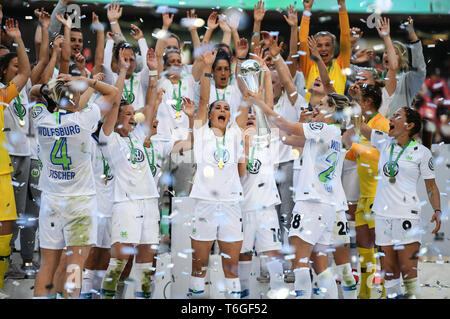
(138, 156)
(316, 126)
(36, 111)
(226, 156)
(386, 170)
(253, 167)
(431, 164)
(23, 110)
(130, 97)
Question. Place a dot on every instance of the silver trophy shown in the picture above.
(252, 76)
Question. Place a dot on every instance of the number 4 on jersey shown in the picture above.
(58, 156)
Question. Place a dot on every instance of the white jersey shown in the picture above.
(291, 113)
(212, 182)
(133, 177)
(32, 131)
(134, 90)
(18, 112)
(260, 189)
(341, 199)
(400, 200)
(159, 149)
(104, 178)
(173, 127)
(64, 148)
(321, 156)
(386, 100)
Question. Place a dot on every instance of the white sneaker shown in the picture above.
(3, 295)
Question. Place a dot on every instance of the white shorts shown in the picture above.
(396, 231)
(340, 230)
(313, 222)
(261, 230)
(103, 232)
(217, 220)
(350, 181)
(135, 222)
(67, 221)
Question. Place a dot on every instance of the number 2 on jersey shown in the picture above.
(58, 155)
(325, 176)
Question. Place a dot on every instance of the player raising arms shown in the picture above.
(68, 204)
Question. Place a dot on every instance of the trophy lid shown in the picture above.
(250, 67)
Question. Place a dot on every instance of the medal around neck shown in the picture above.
(22, 123)
(251, 74)
(392, 180)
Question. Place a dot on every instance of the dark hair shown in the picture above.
(122, 45)
(76, 30)
(413, 116)
(44, 91)
(221, 55)
(373, 92)
(210, 109)
(4, 63)
(167, 53)
(222, 45)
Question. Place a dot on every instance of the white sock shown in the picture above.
(87, 281)
(302, 284)
(142, 283)
(97, 282)
(348, 282)
(196, 287)
(327, 284)
(233, 286)
(275, 269)
(244, 270)
(412, 287)
(393, 288)
(354, 256)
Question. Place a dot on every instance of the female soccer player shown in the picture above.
(68, 200)
(403, 160)
(315, 211)
(217, 189)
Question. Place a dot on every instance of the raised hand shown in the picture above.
(66, 22)
(356, 34)
(188, 107)
(384, 29)
(12, 29)
(136, 33)
(292, 17)
(191, 16)
(363, 56)
(224, 26)
(152, 61)
(242, 48)
(99, 76)
(167, 20)
(114, 12)
(274, 49)
(312, 45)
(124, 65)
(257, 55)
(57, 42)
(96, 23)
(355, 91)
(410, 28)
(44, 17)
(258, 11)
(209, 57)
(212, 22)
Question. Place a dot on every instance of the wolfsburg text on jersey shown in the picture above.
(59, 131)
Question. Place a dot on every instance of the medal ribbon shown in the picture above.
(223, 96)
(392, 165)
(221, 150)
(129, 94)
(133, 151)
(18, 106)
(250, 162)
(152, 164)
(178, 98)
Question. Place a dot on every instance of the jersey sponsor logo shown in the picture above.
(139, 156)
(35, 172)
(316, 126)
(254, 166)
(36, 111)
(23, 110)
(226, 156)
(431, 164)
(386, 171)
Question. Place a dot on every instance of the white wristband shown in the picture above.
(153, 73)
(277, 57)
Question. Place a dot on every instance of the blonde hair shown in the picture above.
(403, 55)
(57, 90)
